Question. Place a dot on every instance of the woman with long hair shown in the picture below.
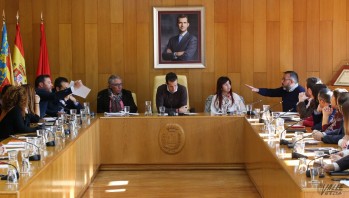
(225, 99)
(13, 112)
(33, 109)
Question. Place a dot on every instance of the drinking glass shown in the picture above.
(302, 165)
(299, 147)
(148, 110)
(87, 107)
(162, 110)
(11, 175)
(298, 135)
(318, 160)
(257, 111)
(25, 168)
(249, 109)
(127, 110)
(314, 173)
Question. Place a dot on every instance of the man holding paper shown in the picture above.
(44, 86)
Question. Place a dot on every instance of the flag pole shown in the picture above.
(17, 17)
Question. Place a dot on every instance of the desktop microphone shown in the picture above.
(255, 102)
(282, 114)
(291, 145)
(283, 141)
(36, 157)
(274, 105)
(4, 177)
(307, 172)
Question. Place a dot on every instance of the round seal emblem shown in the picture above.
(171, 138)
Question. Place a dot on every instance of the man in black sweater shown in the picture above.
(289, 91)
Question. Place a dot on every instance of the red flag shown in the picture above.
(43, 66)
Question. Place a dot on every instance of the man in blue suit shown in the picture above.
(182, 47)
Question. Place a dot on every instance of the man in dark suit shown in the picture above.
(114, 98)
(43, 87)
(182, 47)
(62, 105)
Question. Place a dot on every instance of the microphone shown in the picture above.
(282, 114)
(4, 177)
(291, 145)
(255, 102)
(283, 141)
(274, 105)
(36, 157)
(307, 172)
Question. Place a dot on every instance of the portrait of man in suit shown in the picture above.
(184, 45)
(179, 37)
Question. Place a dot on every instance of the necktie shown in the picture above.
(180, 38)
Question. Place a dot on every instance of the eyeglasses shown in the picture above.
(284, 79)
(116, 84)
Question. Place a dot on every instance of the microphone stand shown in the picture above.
(36, 157)
(283, 141)
(4, 177)
(307, 172)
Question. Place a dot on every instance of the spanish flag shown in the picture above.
(6, 75)
(20, 76)
(43, 66)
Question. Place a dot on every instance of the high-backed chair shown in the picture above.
(208, 103)
(134, 96)
(159, 80)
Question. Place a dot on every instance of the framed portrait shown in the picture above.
(342, 76)
(179, 37)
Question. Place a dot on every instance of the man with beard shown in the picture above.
(288, 91)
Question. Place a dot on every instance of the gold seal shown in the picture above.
(171, 138)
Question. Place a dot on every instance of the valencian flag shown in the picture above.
(19, 73)
(43, 66)
(5, 60)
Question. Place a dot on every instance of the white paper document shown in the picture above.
(82, 91)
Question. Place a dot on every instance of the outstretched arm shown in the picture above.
(254, 89)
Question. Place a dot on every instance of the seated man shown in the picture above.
(43, 86)
(172, 95)
(114, 98)
(63, 104)
(324, 99)
(288, 91)
(306, 103)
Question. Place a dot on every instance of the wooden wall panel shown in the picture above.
(65, 51)
(246, 59)
(91, 62)
(252, 42)
(65, 11)
(339, 33)
(286, 35)
(78, 38)
(52, 37)
(300, 49)
(117, 11)
(221, 49)
(104, 43)
(313, 35)
(260, 32)
(299, 10)
(273, 10)
(220, 11)
(326, 10)
(209, 33)
(326, 51)
(234, 35)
